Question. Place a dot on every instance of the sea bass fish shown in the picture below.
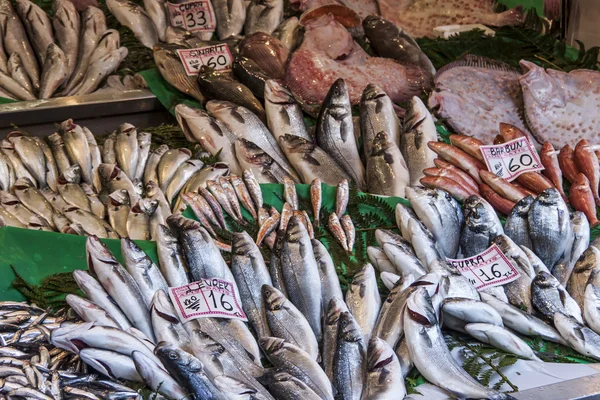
(418, 130)
(419, 17)
(475, 94)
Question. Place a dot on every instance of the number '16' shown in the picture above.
(224, 303)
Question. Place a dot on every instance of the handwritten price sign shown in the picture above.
(511, 159)
(218, 57)
(487, 269)
(207, 298)
(193, 16)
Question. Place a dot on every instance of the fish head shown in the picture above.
(273, 298)
(119, 197)
(147, 206)
(70, 175)
(386, 236)
(550, 197)
(367, 273)
(271, 345)
(163, 307)
(242, 244)
(144, 139)
(380, 354)
(234, 389)
(276, 93)
(179, 223)
(391, 279)
(205, 343)
(132, 252)
(374, 94)
(420, 308)
(545, 90)
(220, 107)
(23, 183)
(337, 101)
(415, 115)
(98, 253)
(431, 282)
(296, 230)
(108, 172)
(68, 126)
(70, 337)
(523, 205)
(335, 308)
(54, 53)
(544, 280)
(296, 144)
(177, 35)
(8, 199)
(126, 129)
(177, 358)
(348, 328)
(381, 143)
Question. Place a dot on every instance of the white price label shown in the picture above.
(193, 16)
(511, 159)
(487, 269)
(218, 57)
(207, 298)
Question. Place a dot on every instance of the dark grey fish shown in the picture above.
(549, 297)
(481, 226)
(331, 319)
(516, 226)
(250, 74)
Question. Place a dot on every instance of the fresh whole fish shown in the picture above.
(90, 312)
(38, 27)
(377, 114)
(170, 67)
(181, 177)
(418, 130)
(157, 12)
(268, 55)
(16, 71)
(549, 226)
(138, 220)
(591, 302)
(387, 172)
(578, 336)
(588, 262)
(19, 168)
(55, 71)
(502, 339)
(263, 16)
(284, 115)
(170, 258)
(12, 205)
(118, 210)
(66, 25)
(363, 300)
(516, 226)
(230, 17)
(577, 244)
(109, 41)
(166, 324)
(156, 377)
(32, 156)
(7, 173)
(171, 160)
(549, 297)
(430, 354)
(481, 226)
(98, 70)
(77, 148)
(115, 179)
(143, 271)
(150, 170)
(289, 32)
(15, 41)
(335, 132)
(135, 18)
(111, 364)
(282, 385)
(384, 378)
(33, 199)
(349, 361)
(144, 140)
(330, 284)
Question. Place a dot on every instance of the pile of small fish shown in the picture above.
(475, 94)
(70, 55)
(287, 149)
(33, 368)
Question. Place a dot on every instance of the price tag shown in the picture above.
(193, 16)
(217, 57)
(511, 159)
(487, 269)
(207, 298)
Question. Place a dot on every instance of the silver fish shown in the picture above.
(579, 337)
(299, 364)
(263, 16)
(516, 226)
(19, 168)
(169, 163)
(576, 245)
(586, 264)
(16, 71)
(349, 361)
(38, 27)
(591, 302)
(379, 260)
(363, 300)
(286, 322)
(7, 173)
(96, 158)
(330, 283)
(230, 17)
(96, 293)
(335, 132)
(126, 147)
(156, 10)
(404, 259)
(13, 87)
(502, 339)
(119, 284)
(77, 148)
(66, 27)
(170, 257)
(58, 150)
(144, 140)
(245, 124)
(181, 176)
(118, 208)
(251, 274)
(54, 72)
(156, 377)
(384, 378)
(109, 41)
(199, 179)
(145, 273)
(424, 244)
(284, 115)
(51, 168)
(434, 208)
(537, 264)
(3, 58)
(516, 254)
(32, 155)
(522, 322)
(311, 161)
(138, 220)
(430, 354)
(111, 364)
(165, 322)
(92, 29)
(135, 18)
(12, 205)
(97, 71)
(481, 226)
(71, 191)
(115, 179)
(150, 170)
(377, 115)
(301, 273)
(289, 33)
(470, 311)
(109, 155)
(90, 312)
(283, 385)
(15, 41)
(90, 223)
(418, 130)
(549, 226)
(33, 199)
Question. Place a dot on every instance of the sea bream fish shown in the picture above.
(475, 94)
(560, 107)
(329, 52)
(420, 17)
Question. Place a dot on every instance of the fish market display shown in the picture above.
(33, 367)
(70, 55)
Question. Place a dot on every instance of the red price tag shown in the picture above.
(217, 57)
(511, 159)
(207, 298)
(193, 16)
(487, 269)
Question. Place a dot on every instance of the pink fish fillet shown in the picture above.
(419, 17)
(328, 52)
(560, 107)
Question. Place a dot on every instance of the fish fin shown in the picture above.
(471, 60)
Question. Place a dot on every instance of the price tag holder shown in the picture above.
(488, 269)
(207, 298)
(511, 159)
(193, 16)
(217, 57)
